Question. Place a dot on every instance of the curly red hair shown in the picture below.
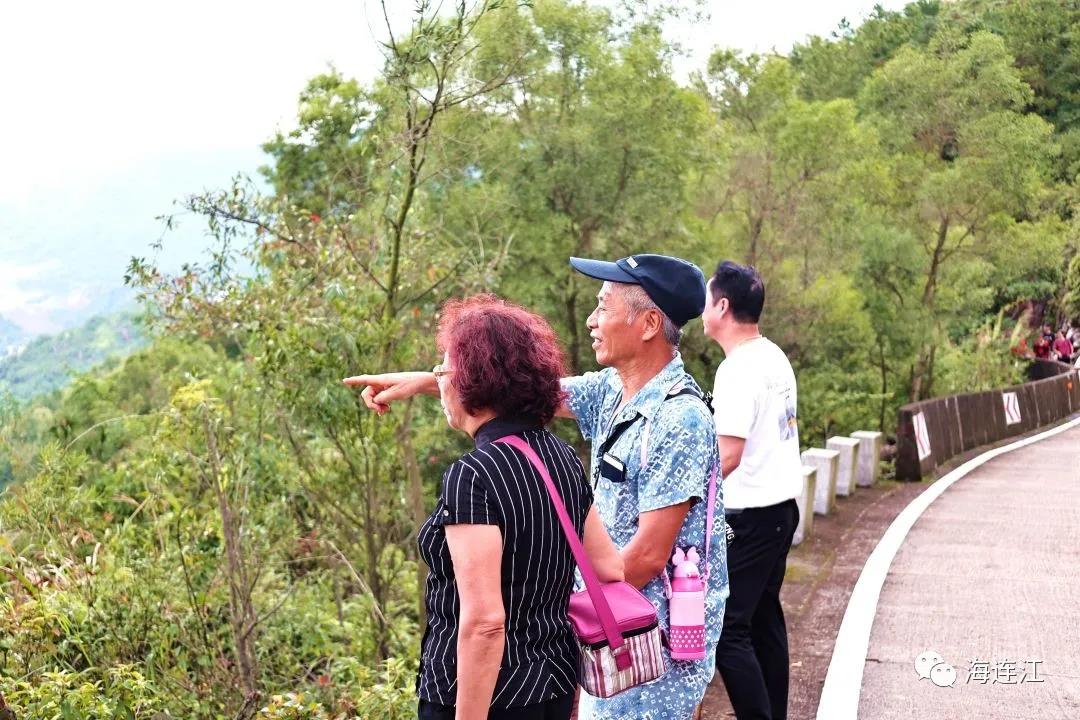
(504, 357)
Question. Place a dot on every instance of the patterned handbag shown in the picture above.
(616, 625)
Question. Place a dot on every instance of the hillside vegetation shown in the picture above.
(49, 362)
(217, 528)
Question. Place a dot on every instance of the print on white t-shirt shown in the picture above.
(789, 426)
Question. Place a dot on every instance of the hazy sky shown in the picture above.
(109, 100)
(90, 88)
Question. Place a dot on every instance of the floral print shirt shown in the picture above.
(668, 452)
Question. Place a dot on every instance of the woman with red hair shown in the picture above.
(498, 643)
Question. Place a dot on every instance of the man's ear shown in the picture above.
(654, 325)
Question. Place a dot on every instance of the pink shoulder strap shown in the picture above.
(592, 582)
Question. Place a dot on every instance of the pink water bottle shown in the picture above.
(687, 608)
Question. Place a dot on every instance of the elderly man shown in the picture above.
(653, 447)
(645, 413)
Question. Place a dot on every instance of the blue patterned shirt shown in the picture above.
(677, 440)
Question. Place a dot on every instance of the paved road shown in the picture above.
(820, 575)
(989, 573)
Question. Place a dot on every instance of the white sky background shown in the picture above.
(99, 100)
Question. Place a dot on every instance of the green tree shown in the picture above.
(967, 162)
(1072, 285)
(1044, 38)
(216, 520)
(594, 156)
(786, 191)
(837, 66)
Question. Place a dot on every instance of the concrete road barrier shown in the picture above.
(826, 462)
(847, 463)
(868, 467)
(805, 501)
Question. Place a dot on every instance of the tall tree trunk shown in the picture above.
(397, 229)
(242, 616)
(929, 389)
(416, 501)
(756, 225)
(918, 374)
(930, 288)
(922, 373)
(403, 430)
(574, 324)
(373, 546)
(573, 327)
(884, 383)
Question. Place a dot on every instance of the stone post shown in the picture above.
(846, 465)
(805, 501)
(825, 493)
(868, 468)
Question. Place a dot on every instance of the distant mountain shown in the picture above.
(64, 250)
(49, 362)
(95, 301)
(12, 337)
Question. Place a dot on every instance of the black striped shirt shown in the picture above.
(496, 485)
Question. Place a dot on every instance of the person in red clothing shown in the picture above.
(1063, 348)
(1041, 348)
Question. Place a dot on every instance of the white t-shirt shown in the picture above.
(754, 397)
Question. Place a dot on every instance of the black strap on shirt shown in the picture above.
(619, 429)
(616, 433)
(705, 397)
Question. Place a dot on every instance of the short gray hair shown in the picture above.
(638, 301)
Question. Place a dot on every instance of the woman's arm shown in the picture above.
(476, 551)
(604, 556)
(380, 390)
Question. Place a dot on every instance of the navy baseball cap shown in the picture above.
(675, 285)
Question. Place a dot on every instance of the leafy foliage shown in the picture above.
(216, 527)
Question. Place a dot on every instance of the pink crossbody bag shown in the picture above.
(615, 624)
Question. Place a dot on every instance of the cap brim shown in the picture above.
(602, 270)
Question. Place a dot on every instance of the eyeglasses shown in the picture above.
(440, 371)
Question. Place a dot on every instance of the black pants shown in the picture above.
(556, 709)
(752, 657)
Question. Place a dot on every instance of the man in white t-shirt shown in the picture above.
(755, 412)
